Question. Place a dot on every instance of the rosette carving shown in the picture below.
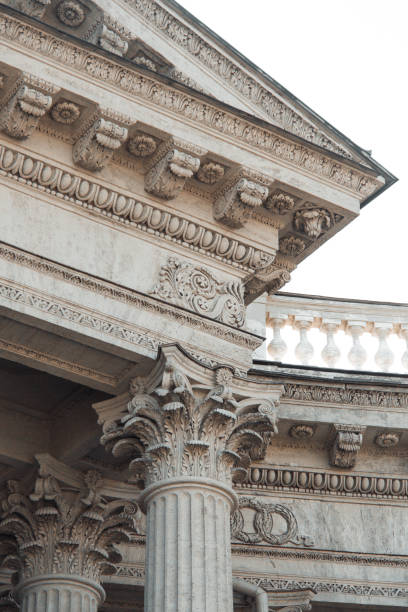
(95, 148)
(235, 206)
(21, 114)
(167, 177)
(70, 13)
(180, 428)
(59, 530)
(197, 289)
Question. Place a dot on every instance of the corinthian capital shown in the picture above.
(54, 529)
(21, 114)
(176, 425)
(95, 148)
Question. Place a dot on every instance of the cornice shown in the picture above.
(345, 394)
(119, 207)
(84, 317)
(202, 52)
(196, 109)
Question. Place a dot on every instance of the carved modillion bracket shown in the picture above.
(166, 178)
(33, 8)
(290, 601)
(95, 148)
(237, 202)
(21, 113)
(346, 443)
(271, 278)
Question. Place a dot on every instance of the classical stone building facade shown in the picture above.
(155, 188)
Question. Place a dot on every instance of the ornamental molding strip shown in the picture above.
(18, 293)
(118, 207)
(323, 586)
(345, 394)
(318, 482)
(263, 524)
(197, 289)
(192, 109)
(203, 52)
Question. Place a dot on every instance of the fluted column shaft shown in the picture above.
(188, 547)
(58, 593)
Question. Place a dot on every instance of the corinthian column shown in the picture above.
(188, 434)
(60, 541)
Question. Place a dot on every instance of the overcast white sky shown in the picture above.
(348, 60)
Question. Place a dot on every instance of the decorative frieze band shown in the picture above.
(115, 292)
(327, 483)
(192, 109)
(354, 396)
(122, 208)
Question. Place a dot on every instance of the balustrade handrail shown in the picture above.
(380, 320)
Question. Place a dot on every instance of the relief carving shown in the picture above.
(210, 173)
(387, 439)
(142, 145)
(70, 13)
(20, 115)
(235, 205)
(65, 112)
(197, 289)
(292, 246)
(167, 177)
(270, 278)
(34, 8)
(263, 524)
(280, 203)
(95, 148)
(346, 444)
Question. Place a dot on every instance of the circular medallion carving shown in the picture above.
(301, 431)
(387, 439)
(71, 13)
(65, 112)
(142, 145)
(210, 173)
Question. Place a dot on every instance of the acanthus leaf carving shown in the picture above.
(182, 429)
(56, 528)
(346, 444)
(168, 175)
(313, 221)
(95, 148)
(20, 115)
(270, 278)
(197, 289)
(235, 205)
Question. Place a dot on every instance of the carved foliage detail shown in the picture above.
(177, 430)
(71, 13)
(263, 523)
(313, 221)
(60, 531)
(236, 205)
(197, 289)
(94, 149)
(21, 114)
(167, 177)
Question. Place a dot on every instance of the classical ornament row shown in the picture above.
(345, 394)
(231, 73)
(362, 589)
(327, 483)
(191, 108)
(125, 209)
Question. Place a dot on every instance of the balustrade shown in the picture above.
(347, 334)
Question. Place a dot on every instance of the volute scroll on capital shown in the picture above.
(188, 421)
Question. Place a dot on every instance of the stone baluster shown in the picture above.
(330, 353)
(277, 346)
(304, 350)
(357, 354)
(404, 335)
(384, 357)
(60, 542)
(187, 441)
